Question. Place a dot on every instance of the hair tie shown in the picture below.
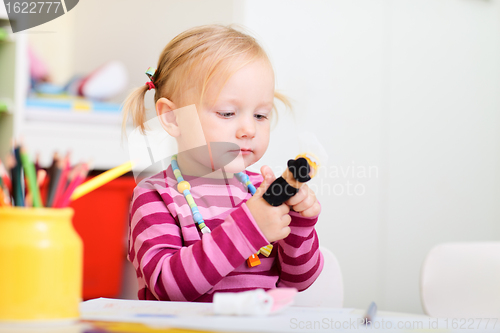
(151, 73)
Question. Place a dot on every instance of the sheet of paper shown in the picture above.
(199, 316)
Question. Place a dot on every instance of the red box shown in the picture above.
(101, 221)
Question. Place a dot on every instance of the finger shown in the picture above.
(283, 209)
(314, 210)
(300, 196)
(304, 204)
(285, 232)
(268, 176)
(268, 171)
(286, 219)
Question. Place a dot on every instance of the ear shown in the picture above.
(165, 112)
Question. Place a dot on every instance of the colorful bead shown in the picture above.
(243, 177)
(175, 166)
(178, 174)
(182, 186)
(252, 189)
(266, 250)
(190, 201)
(253, 260)
(197, 217)
(205, 230)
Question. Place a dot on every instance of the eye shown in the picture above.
(225, 114)
(260, 116)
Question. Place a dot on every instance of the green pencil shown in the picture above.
(29, 169)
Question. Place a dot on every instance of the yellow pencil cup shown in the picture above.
(41, 263)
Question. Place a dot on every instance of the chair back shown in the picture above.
(328, 289)
(462, 280)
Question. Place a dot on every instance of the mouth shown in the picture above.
(243, 151)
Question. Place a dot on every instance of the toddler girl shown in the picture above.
(194, 225)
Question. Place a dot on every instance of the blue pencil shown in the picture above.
(17, 178)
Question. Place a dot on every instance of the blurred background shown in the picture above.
(404, 95)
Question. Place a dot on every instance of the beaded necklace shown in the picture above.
(183, 187)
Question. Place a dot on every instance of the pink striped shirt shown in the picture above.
(174, 261)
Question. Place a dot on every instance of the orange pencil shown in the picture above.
(4, 198)
(5, 177)
(3, 202)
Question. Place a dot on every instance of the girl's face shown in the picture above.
(241, 114)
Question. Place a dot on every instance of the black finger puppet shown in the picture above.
(299, 171)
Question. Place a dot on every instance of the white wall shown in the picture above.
(409, 88)
(135, 32)
(405, 91)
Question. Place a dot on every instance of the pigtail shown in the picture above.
(286, 102)
(134, 107)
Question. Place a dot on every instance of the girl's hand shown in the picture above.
(272, 221)
(305, 202)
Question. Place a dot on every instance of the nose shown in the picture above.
(246, 128)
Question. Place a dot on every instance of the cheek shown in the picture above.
(265, 135)
(209, 128)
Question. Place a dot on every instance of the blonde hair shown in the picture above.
(204, 53)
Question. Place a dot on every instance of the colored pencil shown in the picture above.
(29, 169)
(18, 178)
(54, 182)
(101, 179)
(37, 162)
(41, 176)
(3, 196)
(61, 186)
(10, 164)
(49, 179)
(79, 177)
(4, 175)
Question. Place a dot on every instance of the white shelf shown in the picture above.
(47, 115)
(102, 144)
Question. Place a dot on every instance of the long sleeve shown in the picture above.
(299, 259)
(175, 268)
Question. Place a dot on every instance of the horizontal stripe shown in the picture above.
(181, 278)
(144, 198)
(300, 277)
(298, 256)
(301, 263)
(147, 221)
(246, 223)
(174, 261)
(205, 266)
(297, 241)
(162, 241)
(304, 248)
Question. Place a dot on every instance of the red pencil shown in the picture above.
(78, 178)
(41, 176)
